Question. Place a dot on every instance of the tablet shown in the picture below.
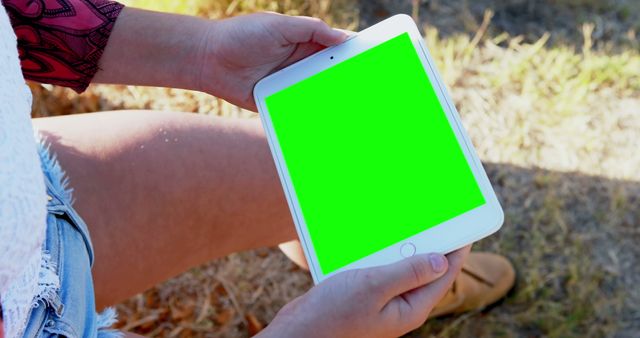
(374, 161)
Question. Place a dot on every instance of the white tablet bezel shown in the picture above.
(445, 237)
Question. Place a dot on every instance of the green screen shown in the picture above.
(371, 155)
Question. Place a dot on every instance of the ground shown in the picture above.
(550, 94)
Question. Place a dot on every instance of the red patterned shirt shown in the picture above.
(61, 41)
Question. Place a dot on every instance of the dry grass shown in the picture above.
(556, 119)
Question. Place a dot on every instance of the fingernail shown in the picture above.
(437, 261)
(339, 34)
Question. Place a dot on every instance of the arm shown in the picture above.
(75, 42)
(153, 49)
(224, 58)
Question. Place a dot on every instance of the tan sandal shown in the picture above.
(485, 279)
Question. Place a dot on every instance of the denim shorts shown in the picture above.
(70, 311)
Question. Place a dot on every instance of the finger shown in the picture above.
(301, 52)
(301, 29)
(391, 280)
(458, 257)
(428, 296)
(412, 308)
(305, 49)
(348, 32)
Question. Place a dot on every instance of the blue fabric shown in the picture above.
(71, 311)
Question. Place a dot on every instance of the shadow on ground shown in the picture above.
(573, 239)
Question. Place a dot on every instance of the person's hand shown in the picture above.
(386, 301)
(237, 52)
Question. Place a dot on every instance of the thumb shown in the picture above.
(303, 29)
(395, 279)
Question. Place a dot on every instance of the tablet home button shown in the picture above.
(407, 250)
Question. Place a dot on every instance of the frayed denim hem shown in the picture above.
(51, 168)
(106, 318)
(64, 193)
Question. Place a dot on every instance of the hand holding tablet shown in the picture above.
(373, 158)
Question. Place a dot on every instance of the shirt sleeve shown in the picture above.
(61, 41)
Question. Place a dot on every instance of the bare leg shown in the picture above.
(162, 192)
(294, 251)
